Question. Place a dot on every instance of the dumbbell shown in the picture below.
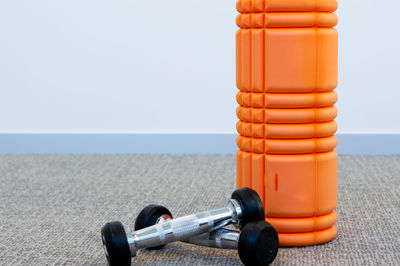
(257, 243)
(120, 243)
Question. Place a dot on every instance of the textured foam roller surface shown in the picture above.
(286, 54)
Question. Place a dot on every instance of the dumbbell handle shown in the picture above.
(220, 238)
(183, 227)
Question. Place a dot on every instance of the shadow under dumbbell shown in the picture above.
(187, 254)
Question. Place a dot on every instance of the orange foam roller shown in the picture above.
(286, 116)
(286, 131)
(286, 146)
(286, 100)
(282, 20)
(286, 73)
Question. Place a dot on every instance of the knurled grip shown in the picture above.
(175, 230)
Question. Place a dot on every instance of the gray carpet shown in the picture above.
(52, 208)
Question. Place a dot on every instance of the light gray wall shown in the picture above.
(369, 66)
(96, 66)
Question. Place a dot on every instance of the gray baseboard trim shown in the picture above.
(170, 144)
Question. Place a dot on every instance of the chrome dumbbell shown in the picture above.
(120, 243)
(257, 243)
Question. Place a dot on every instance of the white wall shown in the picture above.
(87, 66)
(369, 66)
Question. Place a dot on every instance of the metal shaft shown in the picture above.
(220, 238)
(183, 227)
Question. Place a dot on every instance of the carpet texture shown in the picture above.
(53, 206)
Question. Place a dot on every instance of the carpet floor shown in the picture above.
(52, 208)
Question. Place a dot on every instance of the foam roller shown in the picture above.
(286, 59)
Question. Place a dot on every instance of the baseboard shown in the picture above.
(170, 143)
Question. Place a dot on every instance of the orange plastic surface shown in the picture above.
(287, 56)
